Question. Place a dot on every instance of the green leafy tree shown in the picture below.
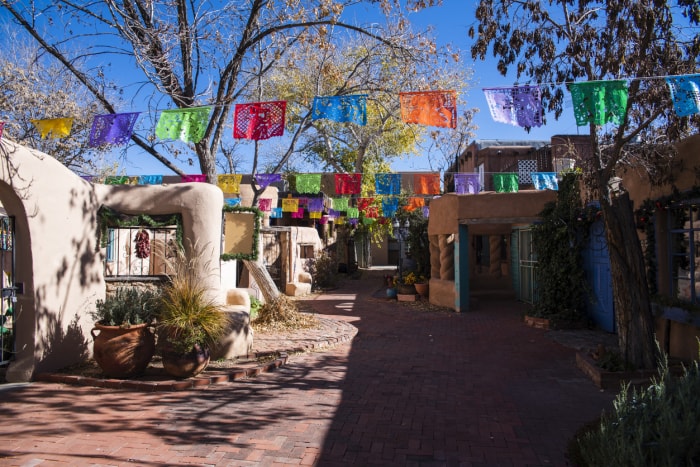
(563, 41)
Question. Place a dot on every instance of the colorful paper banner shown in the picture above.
(342, 109)
(387, 184)
(505, 182)
(519, 105)
(426, 184)
(114, 129)
(187, 125)
(599, 102)
(467, 183)
(685, 93)
(259, 120)
(348, 184)
(55, 127)
(432, 108)
(229, 183)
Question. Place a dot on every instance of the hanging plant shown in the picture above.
(143, 244)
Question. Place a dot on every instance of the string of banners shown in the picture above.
(256, 120)
(386, 204)
(597, 102)
(388, 184)
(348, 187)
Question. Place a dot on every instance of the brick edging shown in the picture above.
(205, 379)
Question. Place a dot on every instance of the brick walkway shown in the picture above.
(412, 388)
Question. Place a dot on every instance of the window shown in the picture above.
(139, 251)
(306, 251)
(684, 253)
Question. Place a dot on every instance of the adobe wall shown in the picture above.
(684, 174)
(485, 210)
(486, 213)
(58, 258)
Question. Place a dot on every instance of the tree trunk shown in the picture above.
(635, 323)
(263, 279)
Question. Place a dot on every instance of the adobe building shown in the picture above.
(57, 262)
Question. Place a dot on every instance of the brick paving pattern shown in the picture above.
(412, 388)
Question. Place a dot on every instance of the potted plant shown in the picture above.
(421, 285)
(190, 320)
(407, 286)
(124, 336)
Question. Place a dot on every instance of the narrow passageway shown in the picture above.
(413, 387)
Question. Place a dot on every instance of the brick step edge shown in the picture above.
(202, 380)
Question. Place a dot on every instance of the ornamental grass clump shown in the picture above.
(655, 425)
(189, 315)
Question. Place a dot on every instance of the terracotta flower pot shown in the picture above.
(123, 352)
(186, 365)
(422, 288)
(406, 289)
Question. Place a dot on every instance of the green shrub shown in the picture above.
(656, 425)
(255, 306)
(127, 306)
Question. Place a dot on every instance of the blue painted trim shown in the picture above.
(461, 253)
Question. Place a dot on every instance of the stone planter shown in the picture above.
(611, 379)
(407, 297)
(406, 289)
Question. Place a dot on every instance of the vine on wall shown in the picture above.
(646, 221)
(558, 242)
(111, 218)
(253, 255)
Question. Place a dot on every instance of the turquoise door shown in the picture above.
(597, 265)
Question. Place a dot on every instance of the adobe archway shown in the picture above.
(58, 257)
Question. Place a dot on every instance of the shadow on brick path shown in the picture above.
(412, 388)
(477, 388)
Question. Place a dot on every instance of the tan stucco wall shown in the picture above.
(486, 213)
(59, 260)
(486, 209)
(684, 174)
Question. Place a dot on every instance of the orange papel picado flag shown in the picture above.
(414, 203)
(431, 108)
(426, 184)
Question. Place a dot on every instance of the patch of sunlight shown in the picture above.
(334, 297)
